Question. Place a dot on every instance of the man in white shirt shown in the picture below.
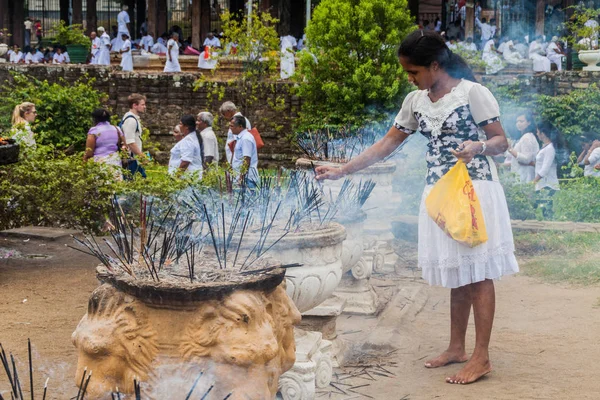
(186, 155)
(132, 130)
(38, 56)
(245, 155)
(486, 30)
(228, 110)
(204, 124)
(96, 44)
(29, 55)
(28, 26)
(103, 56)
(212, 40)
(147, 42)
(123, 28)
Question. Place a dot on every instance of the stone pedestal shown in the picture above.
(313, 368)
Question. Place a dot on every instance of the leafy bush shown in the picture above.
(72, 34)
(521, 198)
(356, 75)
(578, 200)
(53, 189)
(64, 109)
(50, 188)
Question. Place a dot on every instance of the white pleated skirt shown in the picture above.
(445, 262)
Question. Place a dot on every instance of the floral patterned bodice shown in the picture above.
(447, 123)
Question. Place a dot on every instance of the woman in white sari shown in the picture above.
(541, 63)
(126, 55)
(172, 64)
(492, 59)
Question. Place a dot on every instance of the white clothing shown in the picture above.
(172, 65)
(448, 263)
(287, 63)
(132, 129)
(511, 55)
(554, 55)
(214, 42)
(28, 24)
(231, 138)
(468, 46)
(301, 43)
(96, 45)
(38, 57)
(522, 49)
(187, 149)
(245, 146)
(486, 30)
(159, 48)
(116, 44)
(541, 63)
(492, 60)
(527, 148)
(451, 46)
(546, 166)
(58, 59)
(211, 145)
(31, 59)
(147, 42)
(25, 136)
(127, 57)
(67, 58)
(502, 47)
(594, 159)
(104, 53)
(16, 57)
(207, 63)
(122, 21)
(438, 26)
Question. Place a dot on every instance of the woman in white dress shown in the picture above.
(545, 162)
(461, 119)
(525, 149)
(172, 64)
(126, 55)
(104, 52)
(555, 53)
(541, 63)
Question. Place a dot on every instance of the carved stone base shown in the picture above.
(313, 368)
(383, 256)
(360, 297)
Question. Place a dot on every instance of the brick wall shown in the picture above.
(550, 83)
(172, 95)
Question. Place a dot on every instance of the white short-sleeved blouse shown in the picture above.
(458, 116)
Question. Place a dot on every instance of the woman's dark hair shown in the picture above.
(529, 117)
(423, 48)
(100, 115)
(557, 139)
(189, 121)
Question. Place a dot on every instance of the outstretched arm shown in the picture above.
(383, 148)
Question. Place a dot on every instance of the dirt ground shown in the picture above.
(545, 343)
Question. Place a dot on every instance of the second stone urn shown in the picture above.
(238, 334)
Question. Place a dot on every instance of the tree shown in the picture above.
(351, 71)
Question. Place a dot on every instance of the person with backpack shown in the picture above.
(132, 129)
(188, 153)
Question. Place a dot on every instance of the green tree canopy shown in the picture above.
(356, 74)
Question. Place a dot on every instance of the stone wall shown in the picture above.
(550, 83)
(172, 95)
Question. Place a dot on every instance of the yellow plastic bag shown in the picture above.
(455, 208)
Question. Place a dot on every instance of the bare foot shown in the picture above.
(471, 372)
(446, 358)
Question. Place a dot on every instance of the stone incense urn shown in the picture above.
(239, 333)
(381, 207)
(319, 249)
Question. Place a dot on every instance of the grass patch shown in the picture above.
(560, 256)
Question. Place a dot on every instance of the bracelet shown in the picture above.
(483, 148)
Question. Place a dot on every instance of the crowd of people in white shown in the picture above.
(170, 44)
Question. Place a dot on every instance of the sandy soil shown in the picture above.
(544, 346)
(545, 343)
